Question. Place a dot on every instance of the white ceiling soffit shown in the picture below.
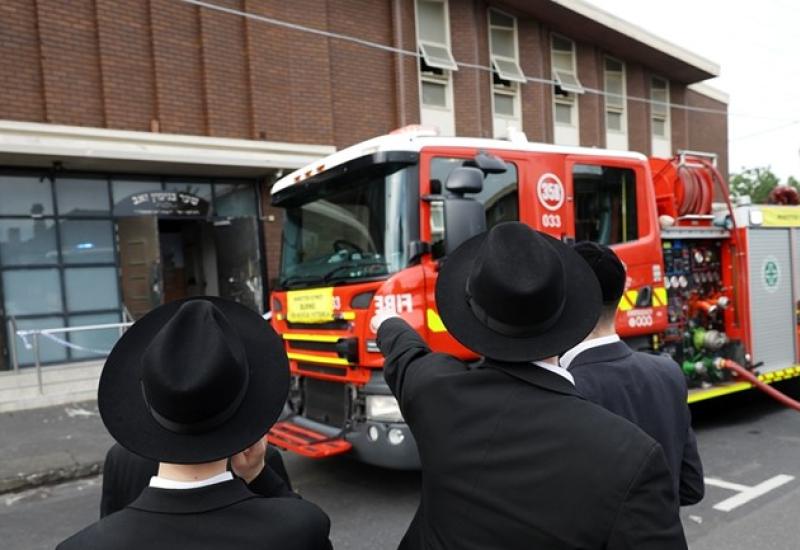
(639, 34)
(710, 91)
(82, 144)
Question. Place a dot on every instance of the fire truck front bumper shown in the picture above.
(388, 445)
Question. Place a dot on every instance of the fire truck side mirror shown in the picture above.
(463, 217)
(488, 163)
(464, 180)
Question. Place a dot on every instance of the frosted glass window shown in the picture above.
(613, 65)
(91, 288)
(499, 19)
(235, 199)
(96, 342)
(563, 113)
(27, 242)
(504, 104)
(614, 121)
(660, 96)
(503, 42)
(25, 196)
(432, 35)
(438, 56)
(614, 90)
(434, 94)
(432, 24)
(87, 241)
(199, 189)
(31, 291)
(82, 197)
(564, 67)
(122, 189)
(49, 351)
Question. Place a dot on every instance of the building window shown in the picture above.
(605, 204)
(59, 257)
(616, 117)
(436, 65)
(659, 117)
(507, 75)
(565, 104)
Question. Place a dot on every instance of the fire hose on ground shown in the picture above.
(753, 379)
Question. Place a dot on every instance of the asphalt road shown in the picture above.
(746, 442)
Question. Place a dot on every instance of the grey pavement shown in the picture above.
(52, 445)
(744, 440)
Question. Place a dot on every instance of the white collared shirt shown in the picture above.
(556, 369)
(567, 359)
(164, 483)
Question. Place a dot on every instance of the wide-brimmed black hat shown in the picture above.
(516, 294)
(607, 267)
(194, 381)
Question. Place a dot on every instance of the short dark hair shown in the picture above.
(607, 267)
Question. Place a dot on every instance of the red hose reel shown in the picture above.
(684, 186)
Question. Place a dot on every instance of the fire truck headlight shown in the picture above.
(383, 408)
(396, 436)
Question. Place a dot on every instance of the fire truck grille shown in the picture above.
(314, 346)
(326, 402)
(338, 324)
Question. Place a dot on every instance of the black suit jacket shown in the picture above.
(650, 391)
(224, 515)
(125, 475)
(513, 458)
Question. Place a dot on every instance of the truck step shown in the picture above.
(291, 437)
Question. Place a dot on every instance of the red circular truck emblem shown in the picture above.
(550, 191)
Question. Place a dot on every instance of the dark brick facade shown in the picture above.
(706, 131)
(166, 66)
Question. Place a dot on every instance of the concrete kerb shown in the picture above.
(54, 476)
(51, 445)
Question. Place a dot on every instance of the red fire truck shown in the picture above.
(367, 228)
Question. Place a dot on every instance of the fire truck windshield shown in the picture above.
(347, 230)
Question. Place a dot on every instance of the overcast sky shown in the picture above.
(757, 45)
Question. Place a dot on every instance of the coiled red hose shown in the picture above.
(696, 192)
(766, 388)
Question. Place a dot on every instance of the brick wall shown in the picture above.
(638, 112)
(590, 106)
(537, 112)
(177, 68)
(708, 132)
(21, 92)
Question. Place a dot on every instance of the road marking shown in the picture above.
(746, 494)
(726, 484)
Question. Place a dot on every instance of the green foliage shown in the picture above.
(757, 183)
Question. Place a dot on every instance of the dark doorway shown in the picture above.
(188, 259)
(170, 259)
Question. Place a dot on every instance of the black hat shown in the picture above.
(516, 294)
(607, 267)
(194, 381)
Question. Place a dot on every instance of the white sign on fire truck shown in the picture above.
(551, 194)
(550, 191)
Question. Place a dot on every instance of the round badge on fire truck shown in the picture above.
(550, 191)
(771, 273)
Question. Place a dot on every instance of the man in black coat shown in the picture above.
(512, 456)
(125, 475)
(649, 390)
(190, 385)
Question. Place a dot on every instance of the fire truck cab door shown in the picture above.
(613, 204)
(500, 198)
